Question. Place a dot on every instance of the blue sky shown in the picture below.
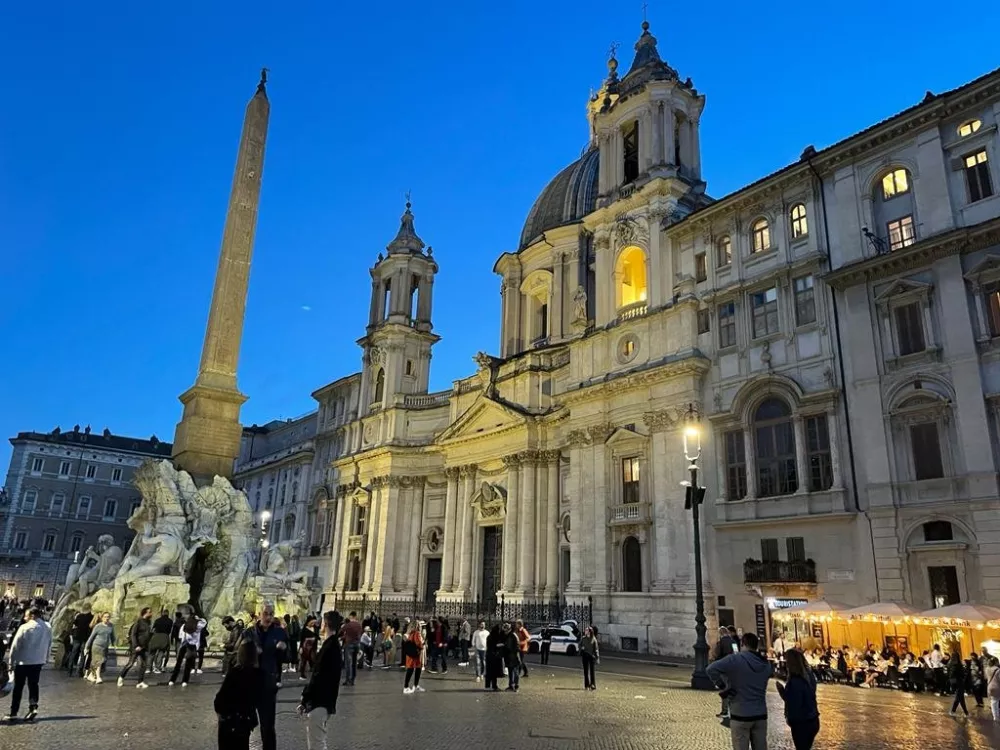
(118, 133)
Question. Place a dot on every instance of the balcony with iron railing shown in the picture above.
(356, 541)
(780, 571)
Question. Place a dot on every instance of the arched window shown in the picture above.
(774, 440)
(724, 251)
(968, 128)
(631, 565)
(800, 227)
(897, 182)
(289, 526)
(379, 386)
(760, 236)
(630, 273)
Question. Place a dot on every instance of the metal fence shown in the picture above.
(489, 610)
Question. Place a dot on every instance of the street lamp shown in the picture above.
(694, 495)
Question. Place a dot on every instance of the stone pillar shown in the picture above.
(556, 303)
(414, 535)
(463, 581)
(340, 571)
(751, 463)
(657, 128)
(388, 508)
(551, 579)
(645, 143)
(656, 294)
(526, 543)
(504, 319)
(371, 549)
(695, 150)
(510, 529)
(373, 310)
(603, 159)
(450, 510)
(574, 585)
(685, 135)
(424, 299)
(668, 136)
(599, 433)
(604, 311)
(833, 434)
(401, 523)
(801, 458)
(336, 550)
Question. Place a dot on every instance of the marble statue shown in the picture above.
(95, 572)
(288, 590)
(580, 306)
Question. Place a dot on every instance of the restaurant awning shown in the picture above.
(893, 611)
(963, 615)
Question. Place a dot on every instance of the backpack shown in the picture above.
(410, 650)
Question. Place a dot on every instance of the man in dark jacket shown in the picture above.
(139, 637)
(723, 648)
(79, 634)
(272, 642)
(159, 642)
(319, 698)
(746, 675)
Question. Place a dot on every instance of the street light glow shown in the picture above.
(691, 431)
(264, 515)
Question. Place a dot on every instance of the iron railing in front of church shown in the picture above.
(489, 610)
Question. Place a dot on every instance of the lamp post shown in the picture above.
(694, 495)
(265, 515)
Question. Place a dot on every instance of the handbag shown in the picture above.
(410, 650)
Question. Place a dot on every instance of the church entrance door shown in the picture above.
(492, 561)
(433, 581)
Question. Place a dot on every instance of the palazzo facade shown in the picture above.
(635, 304)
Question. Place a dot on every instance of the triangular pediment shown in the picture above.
(624, 436)
(901, 287)
(988, 267)
(485, 416)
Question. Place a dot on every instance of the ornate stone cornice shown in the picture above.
(469, 470)
(512, 461)
(549, 457)
(578, 439)
(600, 432)
(669, 418)
(695, 365)
(452, 472)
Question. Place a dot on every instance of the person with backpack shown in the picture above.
(413, 652)
(139, 636)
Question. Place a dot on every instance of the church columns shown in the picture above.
(658, 295)
(374, 311)
(337, 552)
(575, 583)
(386, 533)
(510, 524)
(645, 141)
(657, 128)
(415, 533)
(340, 577)
(751, 462)
(670, 149)
(598, 434)
(695, 149)
(526, 538)
(556, 303)
(669, 538)
(450, 509)
(505, 294)
(371, 548)
(551, 528)
(605, 291)
(465, 535)
(685, 136)
(603, 160)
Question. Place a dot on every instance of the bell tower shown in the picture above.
(398, 340)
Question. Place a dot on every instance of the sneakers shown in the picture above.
(199, 671)
(157, 671)
(479, 678)
(184, 684)
(11, 719)
(32, 713)
(142, 686)
(419, 689)
(170, 684)
(463, 664)
(98, 680)
(407, 691)
(278, 685)
(432, 671)
(121, 682)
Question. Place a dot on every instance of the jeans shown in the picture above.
(513, 676)
(25, 673)
(748, 734)
(465, 652)
(75, 653)
(137, 656)
(589, 671)
(522, 664)
(480, 663)
(803, 733)
(316, 729)
(159, 658)
(960, 700)
(350, 663)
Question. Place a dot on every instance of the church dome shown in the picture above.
(571, 195)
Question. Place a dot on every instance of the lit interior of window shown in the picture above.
(970, 127)
(895, 183)
(974, 159)
(632, 267)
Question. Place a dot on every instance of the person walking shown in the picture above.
(959, 677)
(799, 695)
(745, 675)
(723, 648)
(29, 652)
(159, 642)
(319, 697)
(546, 644)
(202, 645)
(79, 634)
(307, 651)
(350, 635)
(464, 640)
(992, 672)
(523, 642)
(138, 638)
(590, 655)
(102, 637)
(512, 658)
(494, 658)
(245, 694)
(413, 652)
(187, 653)
(479, 642)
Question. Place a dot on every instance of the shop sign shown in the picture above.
(776, 602)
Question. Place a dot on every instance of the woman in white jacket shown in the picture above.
(993, 686)
(190, 640)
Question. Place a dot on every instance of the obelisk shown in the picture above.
(207, 440)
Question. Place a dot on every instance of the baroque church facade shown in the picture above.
(636, 305)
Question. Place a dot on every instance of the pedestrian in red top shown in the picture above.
(413, 650)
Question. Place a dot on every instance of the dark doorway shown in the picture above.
(944, 585)
(631, 565)
(492, 561)
(433, 580)
(564, 573)
(354, 572)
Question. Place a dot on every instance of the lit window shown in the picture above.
(628, 347)
(700, 267)
(631, 273)
(970, 127)
(725, 251)
(977, 176)
(727, 325)
(799, 226)
(39, 590)
(805, 300)
(895, 183)
(761, 232)
(630, 480)
(900, 233)
(764, 307)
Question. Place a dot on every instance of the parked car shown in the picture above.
(563, 640)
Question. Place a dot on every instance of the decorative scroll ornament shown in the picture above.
(628, 229)
(432, 539)
(491, 502)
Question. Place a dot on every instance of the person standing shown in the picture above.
(992, 672)
(746, 675)
(799, 695)
(246, 692)
(159, 642)
(102, 637)
(29, 652)
(319, 697)
(413, 651)
(590, 655)
(79, 634)
(959, 677)
(231, 646)
(512, 658)
(307, 651)
(202, 645)
(479, 642)
(350, 634)
(139, 637)
(523, 642)
(546, 644)
(190, 639)
(494, 658)
(272, 644)
(294, 630)
(464, 640)
(723, 648)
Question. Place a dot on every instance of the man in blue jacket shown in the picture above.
(745, 674)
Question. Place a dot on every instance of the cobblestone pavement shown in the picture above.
(551, 711)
